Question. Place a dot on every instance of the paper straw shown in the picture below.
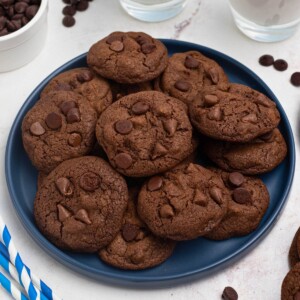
(11, 288)
(11, 269)
(32, 292)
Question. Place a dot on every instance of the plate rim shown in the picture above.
(112, 277)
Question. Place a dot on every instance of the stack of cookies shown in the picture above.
(116, 146)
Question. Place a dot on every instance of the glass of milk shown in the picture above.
(266, 20)
(153, 10)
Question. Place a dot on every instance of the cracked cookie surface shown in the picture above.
(81, 204)
(145, 133)
(183, 203)
(128, 57)
(58, 127)
(236, 113)
(135, 247)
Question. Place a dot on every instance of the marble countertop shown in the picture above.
(259, 274)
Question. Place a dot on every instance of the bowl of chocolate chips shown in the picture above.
(23, 31)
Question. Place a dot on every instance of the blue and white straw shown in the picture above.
(32, 292)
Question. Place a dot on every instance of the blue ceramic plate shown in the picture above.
(191, 259)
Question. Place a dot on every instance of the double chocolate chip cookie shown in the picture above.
(145, 133)
(184, 203)
(235, 114)
(128, 57)
(290, 288)
(294, 256)
(60, 126)
(81, 204)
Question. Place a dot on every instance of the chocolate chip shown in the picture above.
(215, 114)
(190, 62)
(129, 232)
(68, 21)
(85, 76)
(214, 75)
(89, 181)
(82, 5)
(297, 296)
(69, 10)
(210, 100)
(159, 150)
(31, 11)
(82, 215)
(166, 211)
(242, 196)
(229, 293)
(216, 194)
(251, 118)
(236, 178)
(37, 129)
(142, 40)
(155, 183)
(123, 160)
(113, 38)
(170, 126)
(3, 21)
(280, 65)
(116, 46)
(73, 115)
(295, 79)
(66, 106)
(200, 198)
(20, 7)
(267, 136)
(74, 139)
(123, 126)
(53, 121)
(148, 48)
(63, 213)
(262, 100)
(266, 60)
(64, 186)
(182, 85)
(140, 108)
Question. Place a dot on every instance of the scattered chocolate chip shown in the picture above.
(85, 76)
(210, 100)
(116, 46)
(89, 181)
(216, 194)
(63, 213)
(74, 139)
(123, 126)
(73, 115)
(191, 63)
(242, 196)
(295, 79)
(37, 129)
(236, 178)
(182, 86)
(229, 293)
(64, 186)
(140, 108)
(123, 160)
(280, 65)
(170, 126)
(68, 21)
(148, 48)
(155, 183)
(266, 60)
(53, 121)
(66, 106)
(129, 232)
(82, 5)
(69, 10)
(166, 211)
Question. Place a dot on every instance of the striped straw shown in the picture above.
(15, 258)
(11, 288)
(11, 269)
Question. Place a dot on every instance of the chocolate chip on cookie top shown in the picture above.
(135, 247)
(80, 204)
(145, 133)
(128, 57)
(85, 82)
(187, 73)
(248, 202)
(183, 203)
(60, 126)
(290, 288)
(234, 113)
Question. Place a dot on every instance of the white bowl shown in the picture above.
(20, 47)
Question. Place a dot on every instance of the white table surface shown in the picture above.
(259, 274)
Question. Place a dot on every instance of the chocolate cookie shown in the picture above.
(128, 57)
(249, 200)
(135, 247)
(183, 203)
(58, 127)
(290, 288)
(81, 204)
(145, 133)
(293, 252)
(258, 156)
(84, 82)
(235, 114)
(187, 73)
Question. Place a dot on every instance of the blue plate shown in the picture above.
(191, 259)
